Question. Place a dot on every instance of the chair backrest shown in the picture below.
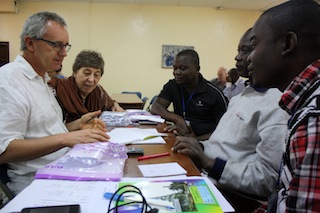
(144, 100)
(3, 173)
(151, 102)
(137, 93)
(4, 179)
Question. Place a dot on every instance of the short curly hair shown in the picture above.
(299, 16)
(193, 56)
(88, 58)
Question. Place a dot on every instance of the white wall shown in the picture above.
(130, 38)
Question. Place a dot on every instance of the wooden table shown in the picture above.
(131, 167)
(128, 101)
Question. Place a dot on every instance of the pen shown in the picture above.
(108, 195)
(93, 117)
(153, 156)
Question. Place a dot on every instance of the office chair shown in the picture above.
(144, 100)
(4, 179)
(137, 93)
(151, 102)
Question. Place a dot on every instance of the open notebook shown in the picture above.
(136, 135)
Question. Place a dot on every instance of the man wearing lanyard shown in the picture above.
(198, 105)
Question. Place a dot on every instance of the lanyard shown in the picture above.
(184, 105)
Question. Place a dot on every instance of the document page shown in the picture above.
(90, 194)
(161, 169)
(132, 135)
(42, 192)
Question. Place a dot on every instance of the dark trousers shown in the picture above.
(241, 204)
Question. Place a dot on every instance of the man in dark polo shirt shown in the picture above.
(198, 105)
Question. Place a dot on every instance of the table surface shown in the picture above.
(128, 101)
(131, 166)
(126, 98)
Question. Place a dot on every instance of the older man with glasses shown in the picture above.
(32, 130)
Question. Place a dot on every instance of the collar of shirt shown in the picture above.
(258, 89)
(202, 86)
(239, 81)
(298, 88)
(28, 70)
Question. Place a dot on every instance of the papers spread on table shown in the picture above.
(89, 194)
(161, 169)
(62, 192)
(136, 136)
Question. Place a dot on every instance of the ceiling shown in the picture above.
(257, 5)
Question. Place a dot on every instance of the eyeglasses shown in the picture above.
(57, 45)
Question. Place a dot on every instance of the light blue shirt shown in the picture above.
(234, 89)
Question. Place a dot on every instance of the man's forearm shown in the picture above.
(24, 150)
(165, 113)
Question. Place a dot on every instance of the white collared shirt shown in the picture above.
(28, 110)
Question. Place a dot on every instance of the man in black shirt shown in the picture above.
(198, 105)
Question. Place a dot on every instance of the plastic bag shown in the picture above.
(92, 161)
(115, 118)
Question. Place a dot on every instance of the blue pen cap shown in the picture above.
(108, 195)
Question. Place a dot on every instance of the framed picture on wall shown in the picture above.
(169, 52)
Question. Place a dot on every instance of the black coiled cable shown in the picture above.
(146, 208)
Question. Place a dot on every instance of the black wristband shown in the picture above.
(217, 169)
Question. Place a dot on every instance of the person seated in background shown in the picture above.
(81, 92)
(243, 154)
(33, 133)
(221, 80)
(56, 73)
(198, 105)
(237, 84)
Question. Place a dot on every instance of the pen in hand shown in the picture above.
(93, 117)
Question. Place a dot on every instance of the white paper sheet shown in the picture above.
(161, 169)
(62, 192)
(89, 194)
(132, 135)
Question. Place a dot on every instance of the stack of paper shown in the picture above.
(143, 117)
